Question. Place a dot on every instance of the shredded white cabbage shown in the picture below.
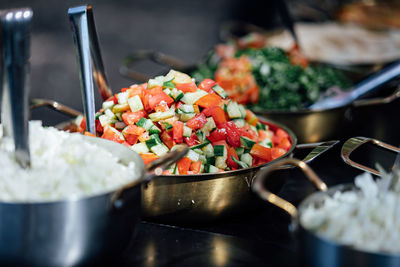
(367, 219)
(63, 165)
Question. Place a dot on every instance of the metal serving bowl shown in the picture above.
(70, 232)
(315, 250)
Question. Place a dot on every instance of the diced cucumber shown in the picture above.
(157, 116)
(135, 103)
(240, 163)
(219, 150)
(186, 108)
(210, 160)
(209, 126)
(191, 98)
(168, 92)
(109, 114)
(186, 116)
(176, 171)
(220, 91)
(208, 150)
(208, 168)
(168, 84)
(178, 77)
(167, 126)
(254, 129)
(242, 111)
(193, 155)
(105, 120)
(239, 122)
(246, 158)
(201, 136)
(154, 130)
(120, 108)
(119, 116)
(187, 131)
(123, 98)
(261, 126)
(140, 148)
(159, 149)
(246, 142)
(203, 159)
(239, 151)
(142, 122)
(120, 135)
(198, 151)
(108, 104)
(266, 142)
(157, 81)
(176, 94)
(151, 142)
(201, 146)
(220, 162)
(233, 110)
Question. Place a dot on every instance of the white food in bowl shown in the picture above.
(63, 165)
(367, 219)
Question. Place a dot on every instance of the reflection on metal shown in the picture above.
(220, 252)
(353, 143)
(37, 102)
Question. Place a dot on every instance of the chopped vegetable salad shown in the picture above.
(153, 118)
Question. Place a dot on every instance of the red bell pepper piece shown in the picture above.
(192, 140)
(251, 118)
(217, 113)
(262, 152)
(285, 144)
(234, 133)
(277, 152)
(154, 100)
(197, 121)
(279, 135)
(186, 87)
(206, 85)
(133, 117)
(167, 139)
(229, 161)
(209, 101)
(177, 131)
(132, 133)
(110, 133)
(184, 165)
(217, 135)
(99, 128)
(147, 158)
(195, 167)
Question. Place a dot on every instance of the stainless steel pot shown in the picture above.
(315, 250)
(70, 232)
(354, 143)
(202, 197)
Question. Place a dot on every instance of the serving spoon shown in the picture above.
(14, 73)
(89, 60)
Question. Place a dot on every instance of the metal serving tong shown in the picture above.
(89, 61)
(14, 75)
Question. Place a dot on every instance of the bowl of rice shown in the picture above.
(77, 204)
(346, 225)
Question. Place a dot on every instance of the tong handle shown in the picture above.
(15, 25)
(89, 60)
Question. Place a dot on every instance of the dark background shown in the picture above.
(184, 29)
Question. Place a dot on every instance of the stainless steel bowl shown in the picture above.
(70, 232)
(315, 250)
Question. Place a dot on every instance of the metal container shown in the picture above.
(315, 250)
(70, 232)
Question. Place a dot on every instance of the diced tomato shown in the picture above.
(197, 121)
(162, 107)
(167, 139)
(251, 118)
(260, 151)
(279, 135)
(83, 125)
(154, 100)
(124, 89)
(192, 140)
(186, 87)
(207, 85)
(277, 152)
(234, 133)
(262, 135)
(177, 131)
(195, 167)
(285, 144)
(154, 91)
(133, 117)
(229, 161)
(147, 158)
(144, 137)
(248, 132)
(217, 135)
(111, 133)
(138, 90)
(209, 101)
(260, 161)
(99, 128)
(217, 113)
(132, 133)
(196, 109)
(184, 165)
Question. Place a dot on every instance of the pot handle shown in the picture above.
(153, 169)
(154, 56)
(377, 101)
(57, 106)
(265, 194)
(319, 149)
(353, 143)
